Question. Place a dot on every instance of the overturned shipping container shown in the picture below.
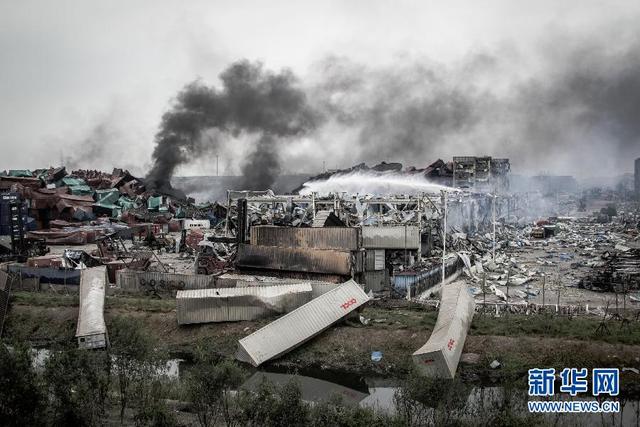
(439, 357)
(236, 304)
(91, 330)
(302, 324)
(341, 238)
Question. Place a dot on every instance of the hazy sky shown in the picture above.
(72, 71)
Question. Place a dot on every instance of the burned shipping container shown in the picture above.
(325, 261)
(341, 238)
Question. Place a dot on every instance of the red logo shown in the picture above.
(427, 361)
(348, 303)
(451, 344)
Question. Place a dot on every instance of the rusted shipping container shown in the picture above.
(302, 324)
(342, 238)
(325, 261)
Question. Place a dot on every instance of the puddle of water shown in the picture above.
(317, 385)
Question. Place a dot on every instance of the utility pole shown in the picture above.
(444, 233)
(493, 215)
(544, 282)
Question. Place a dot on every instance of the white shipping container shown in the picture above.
(439, 357)
(241, 303)
(91, 330)
(302, 324)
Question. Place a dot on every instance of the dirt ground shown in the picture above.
(396, 329)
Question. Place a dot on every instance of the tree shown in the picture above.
(273, 406)
(209, 385)
(136, 359)
(78, 384)
(22, 402)
(335, 413)
(151, 410)
(422, 401)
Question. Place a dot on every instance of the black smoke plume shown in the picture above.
(267, 105)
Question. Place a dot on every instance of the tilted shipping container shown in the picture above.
(302, 324)
(439, 357)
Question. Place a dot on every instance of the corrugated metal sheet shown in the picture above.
(288, 259)
(439, 357)
(231, 280)
(317, 288)
(376, 281)
(235, 304)
(91, 330)
(374, 260)
(140, 281)
(342, 238)
(302, 324)
(391, 237)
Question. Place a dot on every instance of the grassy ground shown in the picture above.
(518, 342)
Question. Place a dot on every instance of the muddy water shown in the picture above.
(317, 385)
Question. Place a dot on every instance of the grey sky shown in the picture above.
(69, 67)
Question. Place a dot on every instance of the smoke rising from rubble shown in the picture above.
(574, 112)
(252, 101)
